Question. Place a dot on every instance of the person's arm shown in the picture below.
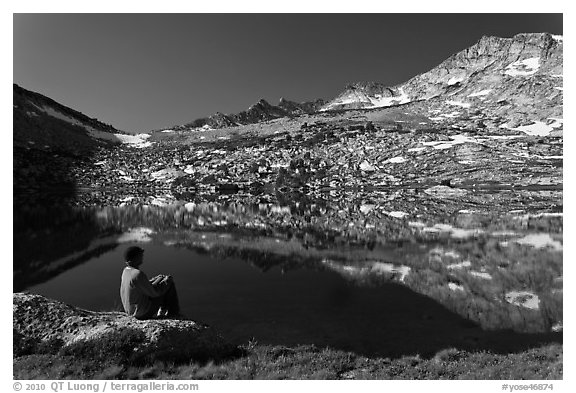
(146, 286)
(163, 284)
(155, 280)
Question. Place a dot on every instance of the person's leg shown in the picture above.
(170, 300)
(161, 286)
(153, 310)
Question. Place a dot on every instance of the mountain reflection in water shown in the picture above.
(279, 274)
(302, 306)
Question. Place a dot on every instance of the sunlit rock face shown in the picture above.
(367, 95)
(489, 64)
(496, 75)
(39, 319)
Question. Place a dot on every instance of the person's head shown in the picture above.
(134, 256)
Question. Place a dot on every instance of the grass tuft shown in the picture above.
(113, 360)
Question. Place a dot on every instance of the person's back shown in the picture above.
(143, 298)
(135, 300)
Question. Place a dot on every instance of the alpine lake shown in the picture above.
(380, 272)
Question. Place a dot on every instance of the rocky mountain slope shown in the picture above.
(518, 78)
(259, 112)
(363, 95)
(484, 100)
(44, 124)
(51, 140)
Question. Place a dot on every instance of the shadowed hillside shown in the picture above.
(52, 145)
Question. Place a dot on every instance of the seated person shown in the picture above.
(143, 298)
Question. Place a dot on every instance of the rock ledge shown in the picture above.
(40, 319)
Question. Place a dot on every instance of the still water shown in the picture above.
(295, 307)
(355, 303)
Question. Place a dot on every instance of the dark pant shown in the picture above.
(168, 301)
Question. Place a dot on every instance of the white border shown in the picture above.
(488, 6)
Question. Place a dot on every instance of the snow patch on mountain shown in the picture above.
(458, 103)
(482, 275)
(363, 99)
(540, 240)
(455, 287)
(397, 214)
(350, 100)
(456, 140)
(537, 129)
(459, 265)
(523, 299)
(205, 127)
(138, 140)
(378, 101)
(480, 93)
(367, 167)
(416, 149)
(524, 67)
(455, 79)
(54, 113)
(397, 160)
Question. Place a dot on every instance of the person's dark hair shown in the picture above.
(132, 253)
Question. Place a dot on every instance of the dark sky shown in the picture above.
(146, 71)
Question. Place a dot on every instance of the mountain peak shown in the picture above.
(491, 63)
(365, 86)
(263, 102)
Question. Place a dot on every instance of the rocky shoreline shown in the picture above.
(38, 320)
